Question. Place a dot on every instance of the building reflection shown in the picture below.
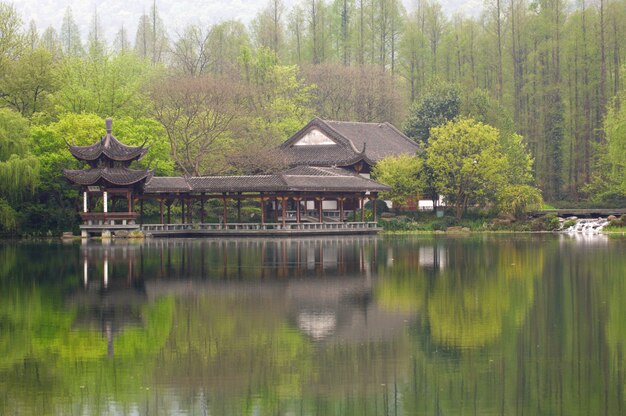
(323, 287)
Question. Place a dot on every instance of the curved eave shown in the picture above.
(106, 176)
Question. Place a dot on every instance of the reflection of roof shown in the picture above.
(114, 176)
(355, 141)
(109, 147)
(294, 180)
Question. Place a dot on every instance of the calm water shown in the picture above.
(478, 325)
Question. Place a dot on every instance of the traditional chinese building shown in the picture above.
(315, 196)
(107, 180)
(354, 146)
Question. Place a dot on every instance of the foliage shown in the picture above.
(19, 170)
(109, 86)
(435, 107)
(404, 174)
(517, 200)
(467, 163)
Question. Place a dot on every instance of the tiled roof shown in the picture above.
(356, 141)
(378, 139)
(109, 147)
(114, 176)
(299, 179)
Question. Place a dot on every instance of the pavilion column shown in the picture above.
(373, 198)
(169, 211)
(341, 199)
(189, 211)
(202, 209)
(225, 211)
(239, 210)
(105, 197)
(141, 211)
(276, 209)
(362, 206)
(297, 200)
(85, 202)
(129, 202)
(181, 202)
(262, 210)
(320, 207)
(161, 209)
(283, 206)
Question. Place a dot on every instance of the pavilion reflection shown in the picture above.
(324, 287)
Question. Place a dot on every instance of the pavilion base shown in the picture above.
(259, 230)
(105, 230)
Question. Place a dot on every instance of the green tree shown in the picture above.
(107, 85)
(404, 174)
(27, 83)
(19, 171)
(434, 108)
(467, 163)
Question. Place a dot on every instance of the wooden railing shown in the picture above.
(108, 216)
(304, 226)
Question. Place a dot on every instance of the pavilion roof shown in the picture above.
(348, 143)
(119, 176)
(110, 148)
(299, 179)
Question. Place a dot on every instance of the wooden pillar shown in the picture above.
(202, 209)
(182, 210)
(129, 202)
(373, 199)
(169, 211)
(161, 209)
(225, 219)
(141, 211)
(320, 207)
(276, 209)
(189, 211)
(262, 210)
(85, 202)
(341, 199)
(362, 205)
(297, 200)
(283, 205)
(239, 210)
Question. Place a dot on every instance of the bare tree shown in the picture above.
(198, 115)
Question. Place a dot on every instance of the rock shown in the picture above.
(611, 218)
(572, 218)
(506, 217)
(385, 215)
(457, 229)
(67, 235)
(121, 234)
(465, 229)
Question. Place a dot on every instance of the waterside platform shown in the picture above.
(259, 230)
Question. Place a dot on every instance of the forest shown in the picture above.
(218, 99)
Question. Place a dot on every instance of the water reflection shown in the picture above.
(409, 326)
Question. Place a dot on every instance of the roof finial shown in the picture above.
(109, 124)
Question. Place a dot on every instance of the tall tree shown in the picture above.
(71, 43)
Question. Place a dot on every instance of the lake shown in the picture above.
(428, 325)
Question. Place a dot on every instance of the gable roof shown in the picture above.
(355, 141)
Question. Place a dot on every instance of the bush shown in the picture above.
(546, 223)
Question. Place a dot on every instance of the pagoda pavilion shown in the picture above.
(107, 179)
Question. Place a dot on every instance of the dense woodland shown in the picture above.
(217, 99)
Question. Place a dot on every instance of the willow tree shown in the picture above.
(19, 171)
